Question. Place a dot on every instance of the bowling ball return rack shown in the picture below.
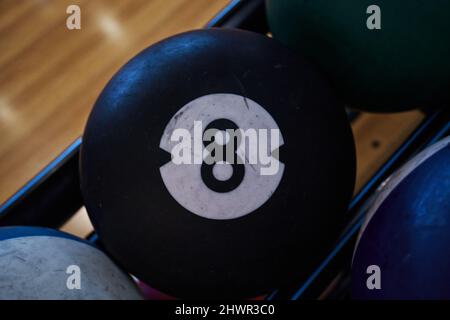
(53, 196)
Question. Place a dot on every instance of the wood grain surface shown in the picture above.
(50, 76)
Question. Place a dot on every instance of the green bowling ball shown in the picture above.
(404, 64)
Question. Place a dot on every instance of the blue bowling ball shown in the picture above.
(403, 249)
(45, 264)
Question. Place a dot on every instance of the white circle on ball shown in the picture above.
(184, 181)
(222, 171)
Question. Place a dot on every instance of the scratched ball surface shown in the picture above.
(39, 263)
(407, 233)
(192, 223)
(401, 66)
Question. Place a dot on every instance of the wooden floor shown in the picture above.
(50, 77)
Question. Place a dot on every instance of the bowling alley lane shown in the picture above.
(50, 76)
